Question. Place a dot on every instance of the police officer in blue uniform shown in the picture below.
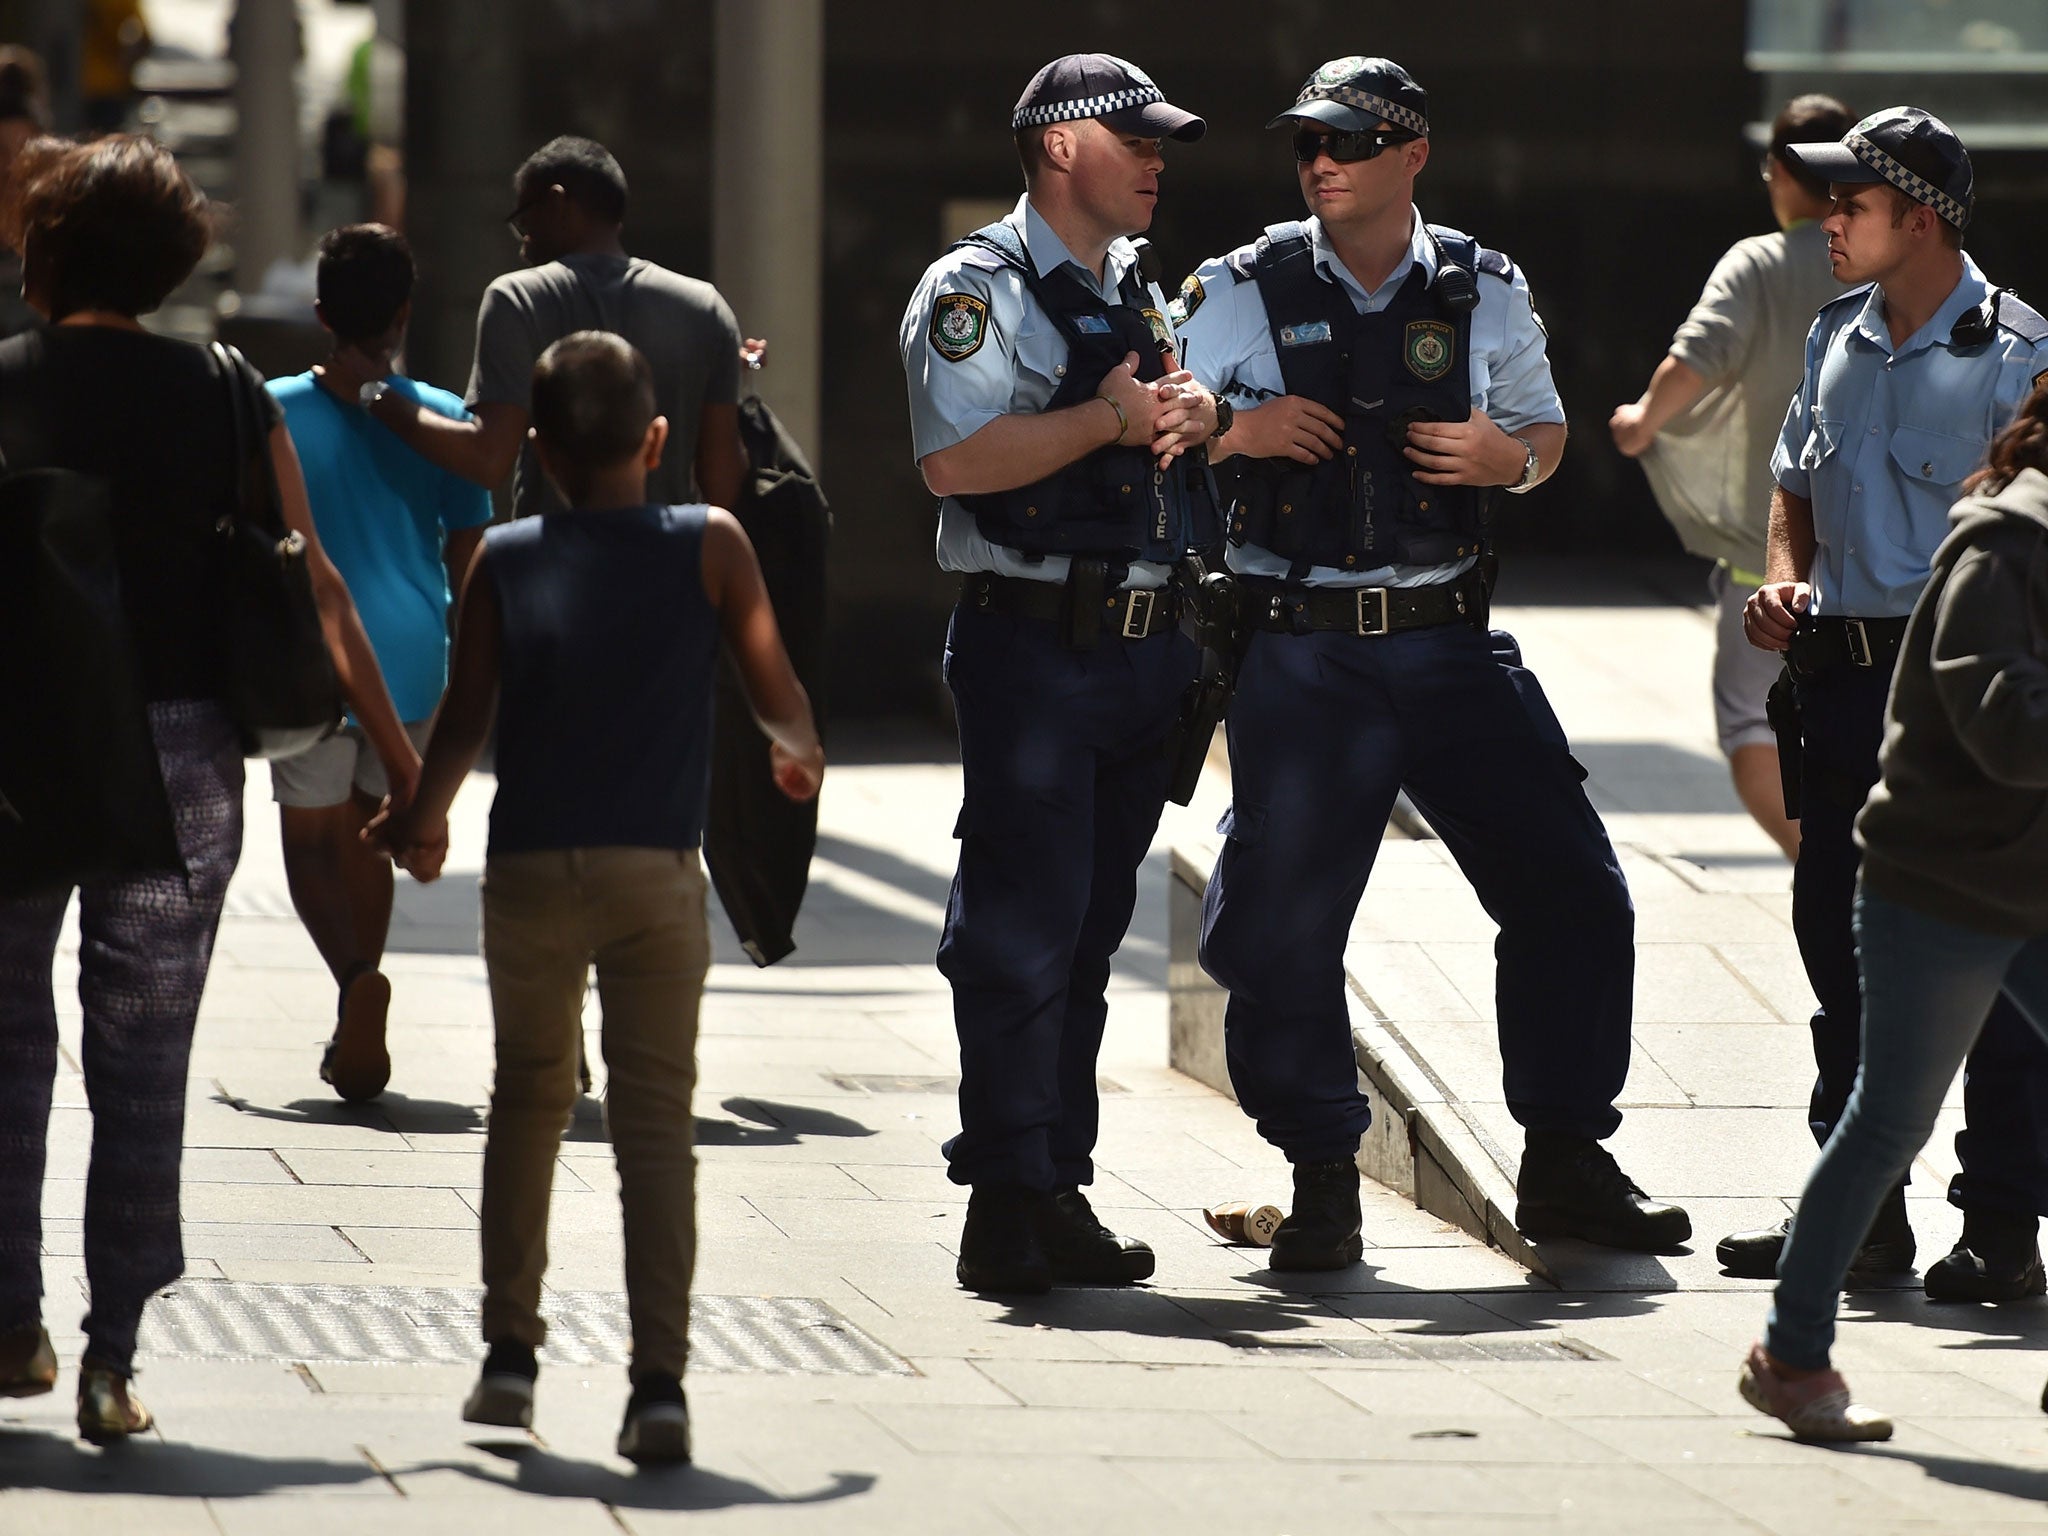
(1385, 378)
(1050, 412)
(1909, 375)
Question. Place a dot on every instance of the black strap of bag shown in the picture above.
(278, 680)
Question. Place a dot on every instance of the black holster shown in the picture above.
(1212, 602)
(1081, 619)
(1781, 709)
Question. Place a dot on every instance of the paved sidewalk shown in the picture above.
(844, 1384)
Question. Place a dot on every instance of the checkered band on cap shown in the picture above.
(1389, 111)
(1914, 185)
(1086, 106)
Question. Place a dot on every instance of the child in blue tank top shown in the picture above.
(591, 634)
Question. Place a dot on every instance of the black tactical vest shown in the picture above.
(1381, 372)
(1115, 504)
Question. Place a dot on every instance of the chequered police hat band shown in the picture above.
(1087, 106)
(1390, 111)
(1917, 187)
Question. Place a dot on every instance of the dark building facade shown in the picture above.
(1600, 143)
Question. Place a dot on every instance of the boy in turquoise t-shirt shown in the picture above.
(402, 532)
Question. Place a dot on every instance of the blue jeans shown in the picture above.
(1927, 985)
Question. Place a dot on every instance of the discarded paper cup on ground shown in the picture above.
(1245, 1224)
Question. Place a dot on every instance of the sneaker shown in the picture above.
(28, 1364)
(1816, 1407)
(657, 1427)
(503, 1393)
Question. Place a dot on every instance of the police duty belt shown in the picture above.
(1283, 610)
(1133, 614)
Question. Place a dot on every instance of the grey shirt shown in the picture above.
(684, 327)
(1711, 466)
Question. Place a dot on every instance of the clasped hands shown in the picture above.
(1170, 414)
(1475, 451)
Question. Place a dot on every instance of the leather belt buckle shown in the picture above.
(1138, 614)
(1366, 609)
(1858, 639)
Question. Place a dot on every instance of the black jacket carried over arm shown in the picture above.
(757, 842)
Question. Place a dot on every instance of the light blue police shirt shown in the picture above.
(1017, 366)
(1227, 344)
(1880, 439)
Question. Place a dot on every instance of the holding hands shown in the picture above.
(417, 844)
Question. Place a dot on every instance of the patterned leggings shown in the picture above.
(146, 945)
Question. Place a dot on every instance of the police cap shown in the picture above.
(1357, 94)
(1103, 86)
(1913, 150)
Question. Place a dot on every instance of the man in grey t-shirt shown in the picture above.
(570, 210)
(1705, 427)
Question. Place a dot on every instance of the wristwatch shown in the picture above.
(1226, 413)
(372, 392)
(1531, 467)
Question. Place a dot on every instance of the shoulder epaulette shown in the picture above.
(1240, 265)
(2022, 319)
(1494, 264)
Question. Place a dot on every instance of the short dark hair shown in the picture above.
(1031, 151)
(115, 224)
(1813, 119)
(582, 168)
(1904, 203)
(364, 279)
(593, 397)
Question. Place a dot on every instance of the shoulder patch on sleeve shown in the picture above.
(959, 325)
(1191, 295)
(1494, 264)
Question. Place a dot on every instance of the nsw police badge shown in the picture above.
(1429, 348)
(959, 323)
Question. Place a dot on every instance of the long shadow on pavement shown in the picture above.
(40, 1459)
(2030, 1483)
(549, 1475)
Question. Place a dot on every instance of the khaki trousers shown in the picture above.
(637, 914)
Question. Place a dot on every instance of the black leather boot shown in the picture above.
(1888, 1249)
(1001, 1252)
(1998, 1258)
(1322, 1231)
(1571, 1186)
(1082, 1250)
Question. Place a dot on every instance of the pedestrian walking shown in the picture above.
(1704, 428)
(1049, 413)
(592, 634)
(109, 229)
(1951, 906)
(401, 531)
(1387, 377)
(1908, 378)
(569, 212)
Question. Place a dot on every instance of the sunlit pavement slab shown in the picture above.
(1436, 1388)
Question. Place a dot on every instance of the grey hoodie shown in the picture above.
(1958, 828)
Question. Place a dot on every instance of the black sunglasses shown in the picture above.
(1345, 146)
(516, 219)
